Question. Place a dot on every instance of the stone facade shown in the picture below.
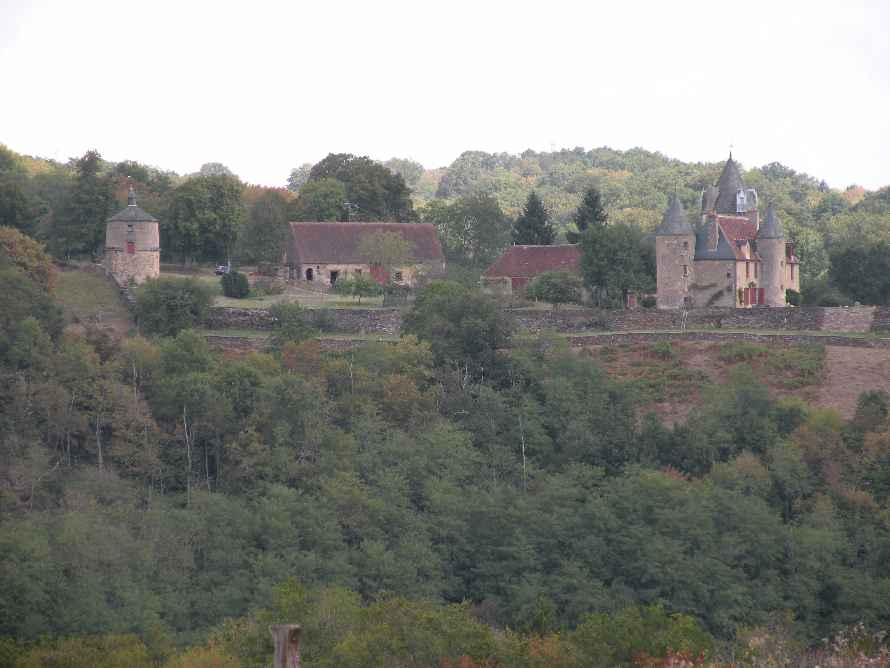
(132, 245)
(729, 259)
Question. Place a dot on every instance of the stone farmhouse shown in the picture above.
(328, 252)
(519, 265)
(132, 245)
(731, 259)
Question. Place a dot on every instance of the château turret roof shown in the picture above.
(132, 214)
(771, 228)
(675, 221)
(729, 183)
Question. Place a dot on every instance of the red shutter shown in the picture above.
(131, 248)
(761, 296)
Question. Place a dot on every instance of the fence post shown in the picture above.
(287, 645)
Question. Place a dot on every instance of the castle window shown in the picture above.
(398, 276)
(747, 270)
(685, 245)
(131, 248)
(728, 274)
(685, 271)
(129, 227)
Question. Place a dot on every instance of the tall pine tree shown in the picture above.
(533, 227)
(590, 213)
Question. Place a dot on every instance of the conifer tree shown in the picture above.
(533, 227)
(590, 213)
(81, 226)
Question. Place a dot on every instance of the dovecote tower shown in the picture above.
(132, 244)
(674, 253)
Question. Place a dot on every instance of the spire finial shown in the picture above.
(730, 151)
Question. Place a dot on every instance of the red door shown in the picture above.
(761, 296)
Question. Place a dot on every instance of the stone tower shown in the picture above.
(771, 249)
(674, 254)
(132, 245)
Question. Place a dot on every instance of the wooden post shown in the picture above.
(287, 645)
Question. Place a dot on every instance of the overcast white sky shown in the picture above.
(265, 86)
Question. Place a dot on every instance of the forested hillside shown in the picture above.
(485, 500)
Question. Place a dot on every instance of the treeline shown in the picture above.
(477, 203)
(151, 487)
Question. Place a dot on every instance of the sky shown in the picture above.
(264, 87)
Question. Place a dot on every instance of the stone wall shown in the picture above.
(386, 321)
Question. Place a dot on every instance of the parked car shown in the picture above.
(222, 269)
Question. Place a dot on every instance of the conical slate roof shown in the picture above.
(729, 183)
(771, 228)
(675, 221)
(132, 214)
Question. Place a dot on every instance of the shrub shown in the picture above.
(235, 285)
(323, 320)
(268, 286)
(292, 324)
(663, 350)
(648, 302)
(166, 306)
(556, 288)
(740, 352)
(28, 256)
(359, 286)
(792, 297)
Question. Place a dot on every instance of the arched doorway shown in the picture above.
(310, 274)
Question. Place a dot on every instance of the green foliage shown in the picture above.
(298, 177)
(621, 639)
(166, 306)
(464, 328)
(863, 270)
(591, 212)
(793, 298)
(28, 256)
(556, 288)
(473, 230)
(25, 309)
(235, 284)
(80, 226)
(740, 352)
(264, 234)
(373, 191)
(533, 226)
(205, 216)
(292, 324)
(616, 260)
(107, 651)
(320, 200)
(358, 286)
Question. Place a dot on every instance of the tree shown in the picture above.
(298, 177)
(591, 212)
(81, 226)
(386, 250)
(358, 286)
(28, 256)
(320, 200)
(533, 227)
(464, 328)
(409, 170)
(556, 288)
(235, 284)
(205, 216)
(473, 230)
(265, 232)
(616, 260)
(166, 306)
(373, 192)
(215, 169)
(862, 270)
(292, 324)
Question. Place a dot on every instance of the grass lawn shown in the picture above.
(89, 298)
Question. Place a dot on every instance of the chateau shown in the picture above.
(731, 259)
(132, 245)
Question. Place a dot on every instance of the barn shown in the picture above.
(519, 265)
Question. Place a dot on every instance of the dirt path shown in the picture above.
(851, 371)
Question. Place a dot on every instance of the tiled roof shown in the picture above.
(332, 243)
(737, 227)
(132, 214)
(529, 261)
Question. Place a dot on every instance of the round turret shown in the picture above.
(771, 249)
(132, 244)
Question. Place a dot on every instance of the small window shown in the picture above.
(685, 271)
(129, 227)
(728, 274)
(398, 276)
(685, 245)
(131, 248)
